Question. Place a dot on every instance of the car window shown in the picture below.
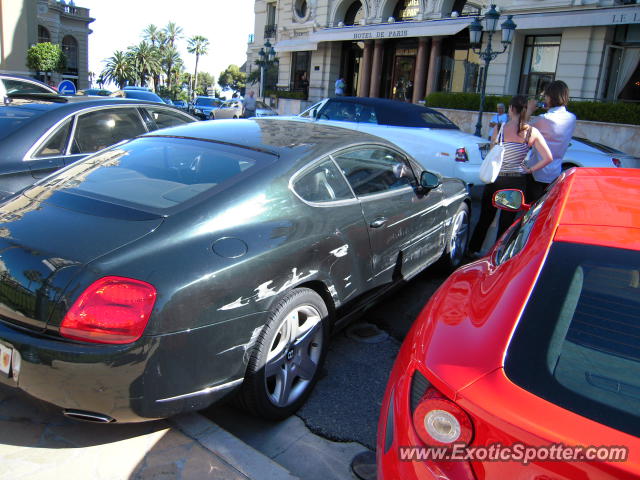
(16, 86)
(576, 344)
(518, 235)
(165, 117)
(374, 170)
(262, 105)
(323, 183)
(207, 102)
(340, 111)
(102, 128)
(308, 112)
(157, 173)
(56, 144)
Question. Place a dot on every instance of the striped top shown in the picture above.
(514, 156)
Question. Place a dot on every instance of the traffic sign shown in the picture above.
(66, 87)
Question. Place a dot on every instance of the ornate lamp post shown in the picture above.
(267, 58)
(488, 54)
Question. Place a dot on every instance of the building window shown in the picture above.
(539, 63)
(301, 10)
(43, 34)
(622, 75)
(461, 67)
(300, 62)
(70, 49)
(270, 27)
(406, 9)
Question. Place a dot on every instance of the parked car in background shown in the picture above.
(531, 347)
(10, 84)
(42, 133)
(141, 93)
(215, 256)
(583, 152)
(264, 110)
(228, 109)
(428, 135)
(203, 106)
(101, 92)
(168, 101)
(181, 104)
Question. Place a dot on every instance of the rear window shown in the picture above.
(578, 342)
(207, 102)
(158, 173)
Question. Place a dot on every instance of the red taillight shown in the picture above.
(616, 162)
(111, 310)
(440, 422)
(461, 155)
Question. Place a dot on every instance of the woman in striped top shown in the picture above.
(518, 138)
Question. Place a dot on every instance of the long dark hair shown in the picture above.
(519, 104)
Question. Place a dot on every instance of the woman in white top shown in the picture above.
(518, 139)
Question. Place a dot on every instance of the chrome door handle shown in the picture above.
(378, 222)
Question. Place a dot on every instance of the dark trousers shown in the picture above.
(488, 211)
(535, 190)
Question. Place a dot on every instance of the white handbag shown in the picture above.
(492, 163)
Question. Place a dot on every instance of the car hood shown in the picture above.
(46, 238)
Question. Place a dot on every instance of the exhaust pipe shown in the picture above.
(88, 416)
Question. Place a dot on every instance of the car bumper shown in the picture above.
(396, 457)
(155, 377)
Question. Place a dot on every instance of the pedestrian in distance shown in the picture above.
(518, 138)
(556, 126)
(249, 105)
(340, 86)
(497, 120)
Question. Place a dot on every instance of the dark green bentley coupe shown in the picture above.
(163, 273)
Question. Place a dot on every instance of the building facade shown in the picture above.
(406, 49)
(26, 22)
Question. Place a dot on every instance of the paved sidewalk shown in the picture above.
(38, 442)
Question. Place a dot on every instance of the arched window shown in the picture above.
(43, 34)
(301, 10)
(70, 49)
(406, 9)
(354, 14)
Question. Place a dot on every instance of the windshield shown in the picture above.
(577, 343)
(155, 173)
(207, 102)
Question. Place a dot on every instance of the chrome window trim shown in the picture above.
(311, 166)
(36, 146)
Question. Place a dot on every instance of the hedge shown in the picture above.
(285, 94)
(628, 113)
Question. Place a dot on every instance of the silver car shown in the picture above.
(229, 109)
(583, 152)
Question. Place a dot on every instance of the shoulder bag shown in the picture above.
(492, 163)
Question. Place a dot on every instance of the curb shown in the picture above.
(244, 458)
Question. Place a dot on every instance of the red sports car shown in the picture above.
(526, 364)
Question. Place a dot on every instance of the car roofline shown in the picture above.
(219, 142)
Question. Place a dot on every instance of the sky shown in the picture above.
(119, 24)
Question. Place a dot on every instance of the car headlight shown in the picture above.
(198, 110)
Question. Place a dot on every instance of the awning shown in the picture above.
(295, 45)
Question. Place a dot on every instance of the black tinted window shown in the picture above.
(207, 102)
(164, 117)
(323, 183)
(56, 144)
(103, 128)
(374, 170)
(157, 173)
(578, 342)
(16, 86)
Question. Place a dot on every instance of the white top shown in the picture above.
(556, 126)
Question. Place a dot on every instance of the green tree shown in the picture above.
(170, 58)
(46, 57)
(146, 61)
(197, 45)
(118, 69)
(232, 79)
(172, 33)
(205, 81)
(152, 35)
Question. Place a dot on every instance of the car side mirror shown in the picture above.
(511, 200)
(429, 180)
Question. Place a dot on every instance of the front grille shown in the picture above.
(419, 386)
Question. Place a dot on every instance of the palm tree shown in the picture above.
(151, 34)
(172, 33)
(197, 45)
(146, 61)
(170, 57)
(118, 69)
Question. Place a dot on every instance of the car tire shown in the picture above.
(235, 117)
(457, 240)
(288, 355)
(212, 116)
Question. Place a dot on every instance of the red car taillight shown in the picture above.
(616, 162)
(440, 422)
(461, 155)
(111, 310)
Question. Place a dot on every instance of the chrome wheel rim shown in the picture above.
(459, 236)
(293, 356)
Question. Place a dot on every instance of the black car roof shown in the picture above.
(285, 138)
(46, 102)
(394, 112)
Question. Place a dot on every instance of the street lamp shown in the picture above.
(490, 21)
(267, 57)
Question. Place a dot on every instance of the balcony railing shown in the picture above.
(270, 31)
